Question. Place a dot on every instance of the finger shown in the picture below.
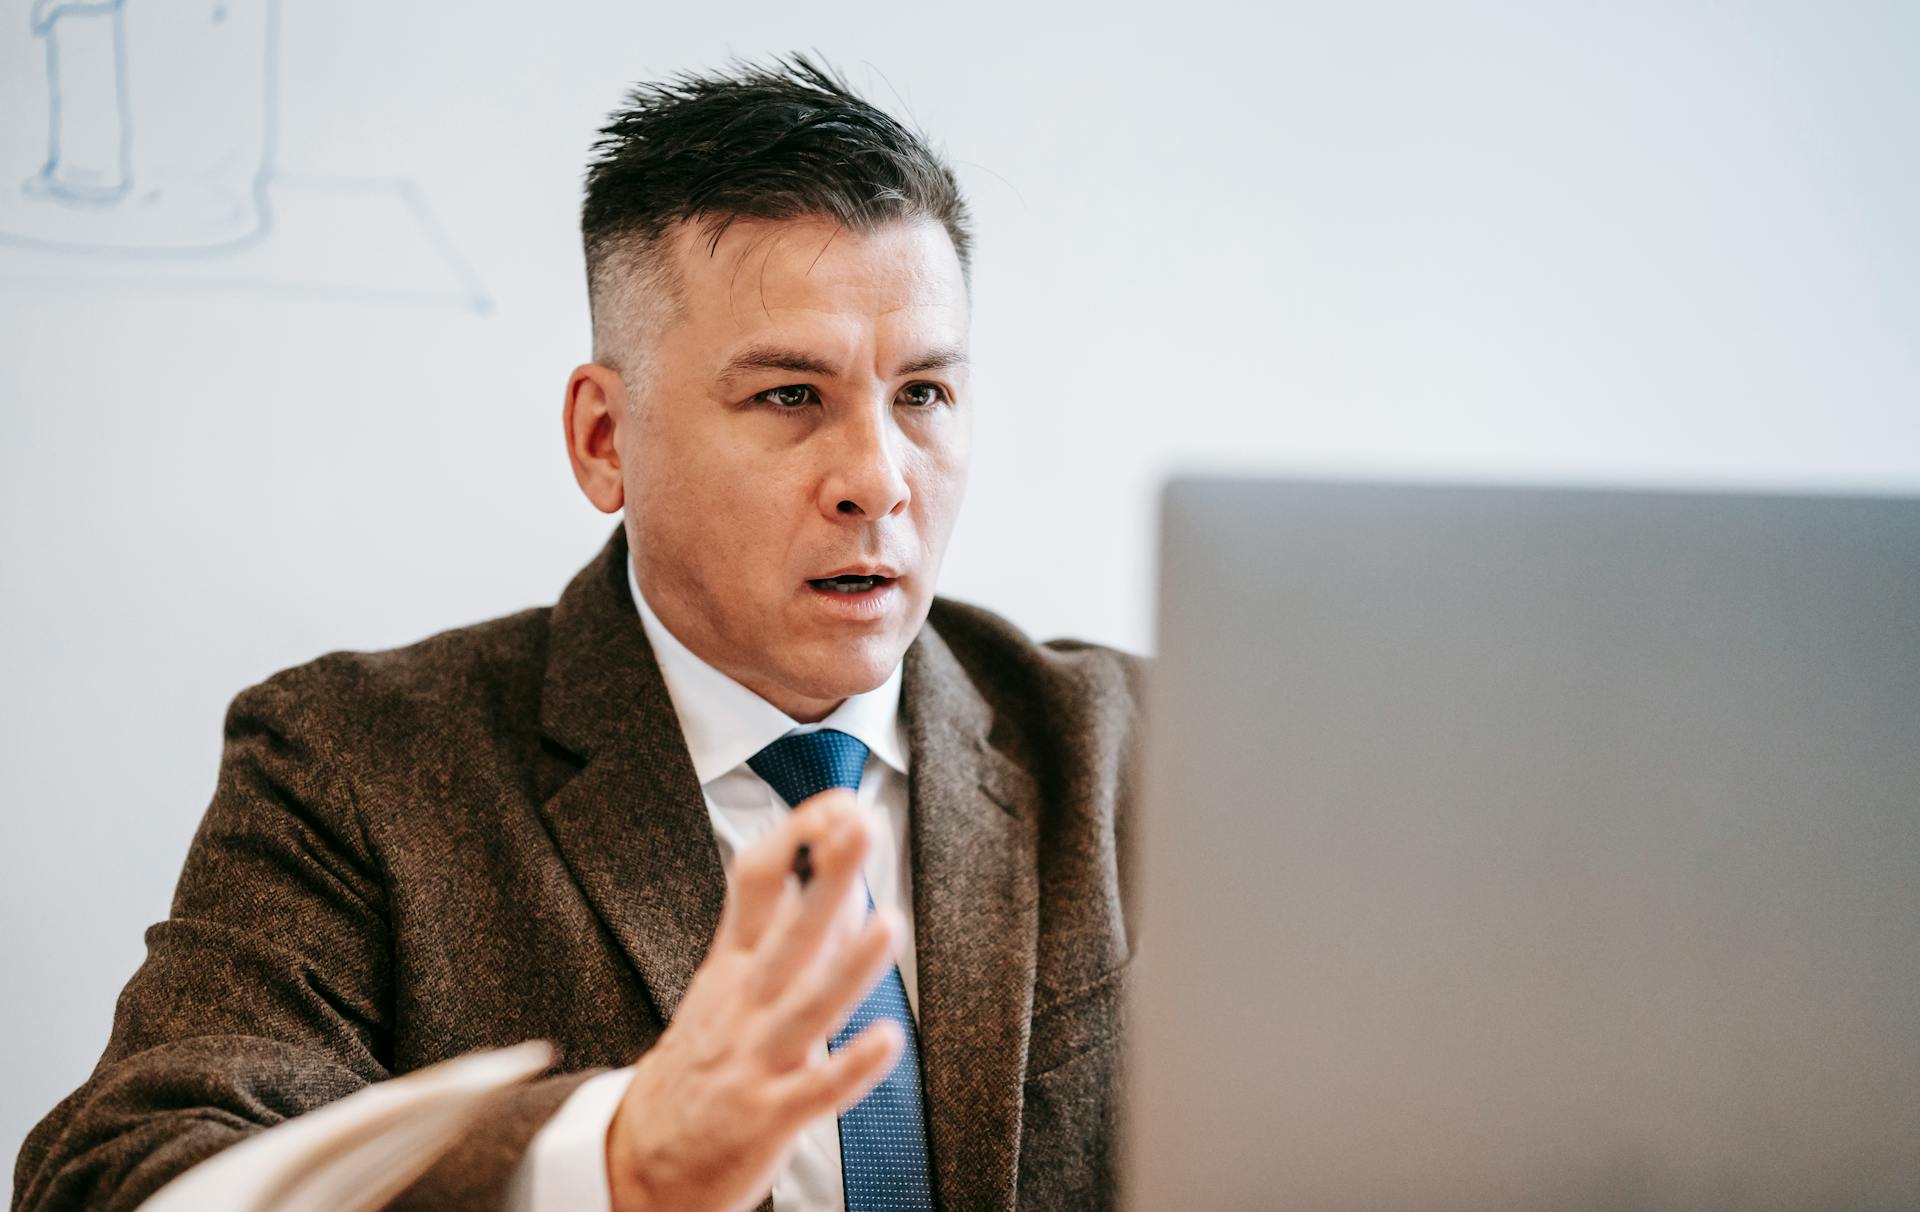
(759, 875)
(847, 1075)
(820, 1001)
(834, 896)
(831, 906)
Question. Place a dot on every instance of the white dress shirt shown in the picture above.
(565, 1168)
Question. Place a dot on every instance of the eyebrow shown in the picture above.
(771, 357)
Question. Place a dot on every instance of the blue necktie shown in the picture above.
(883, 1137)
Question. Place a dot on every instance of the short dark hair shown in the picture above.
(786, 141)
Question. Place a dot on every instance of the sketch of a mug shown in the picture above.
(159, 125)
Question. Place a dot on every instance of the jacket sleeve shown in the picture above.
(267, 992)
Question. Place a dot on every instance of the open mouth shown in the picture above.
(850, 584)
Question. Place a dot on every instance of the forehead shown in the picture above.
(762, 276)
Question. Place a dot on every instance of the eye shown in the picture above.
(939, 394)
(791, 398)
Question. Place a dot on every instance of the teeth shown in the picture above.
(848, 584)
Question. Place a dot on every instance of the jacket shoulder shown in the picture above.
(985, 640)
(1037, 682)
(489, 670)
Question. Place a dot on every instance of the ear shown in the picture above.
(596, 408)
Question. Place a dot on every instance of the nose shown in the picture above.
(864, 475)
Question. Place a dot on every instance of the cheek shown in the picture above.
(697, 508)
(940, 480)
(695, 466)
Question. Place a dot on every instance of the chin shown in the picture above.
(852, 667)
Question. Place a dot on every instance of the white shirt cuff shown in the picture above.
(565, 1168)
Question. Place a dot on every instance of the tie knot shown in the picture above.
(801, 764)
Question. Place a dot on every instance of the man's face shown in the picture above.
(808, 415)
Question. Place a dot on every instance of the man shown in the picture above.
(603, 823)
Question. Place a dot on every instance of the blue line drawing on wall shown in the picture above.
(157, 165)
(185, 169)
(87, 145)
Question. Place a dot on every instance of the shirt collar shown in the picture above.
(725, 723)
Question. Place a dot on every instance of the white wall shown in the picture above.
(1632, 241)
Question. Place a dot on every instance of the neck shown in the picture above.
(799, 710)
(797, 707)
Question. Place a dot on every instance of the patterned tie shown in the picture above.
(883, 1137)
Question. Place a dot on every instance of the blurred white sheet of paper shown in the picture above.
(355, 1154)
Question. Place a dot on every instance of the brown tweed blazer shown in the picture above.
(496, 834)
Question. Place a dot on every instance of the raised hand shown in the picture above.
(715, 1104)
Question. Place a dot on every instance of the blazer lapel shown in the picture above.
(632, 823)
(975, 898)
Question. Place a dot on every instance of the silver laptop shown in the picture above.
(1514, 848)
